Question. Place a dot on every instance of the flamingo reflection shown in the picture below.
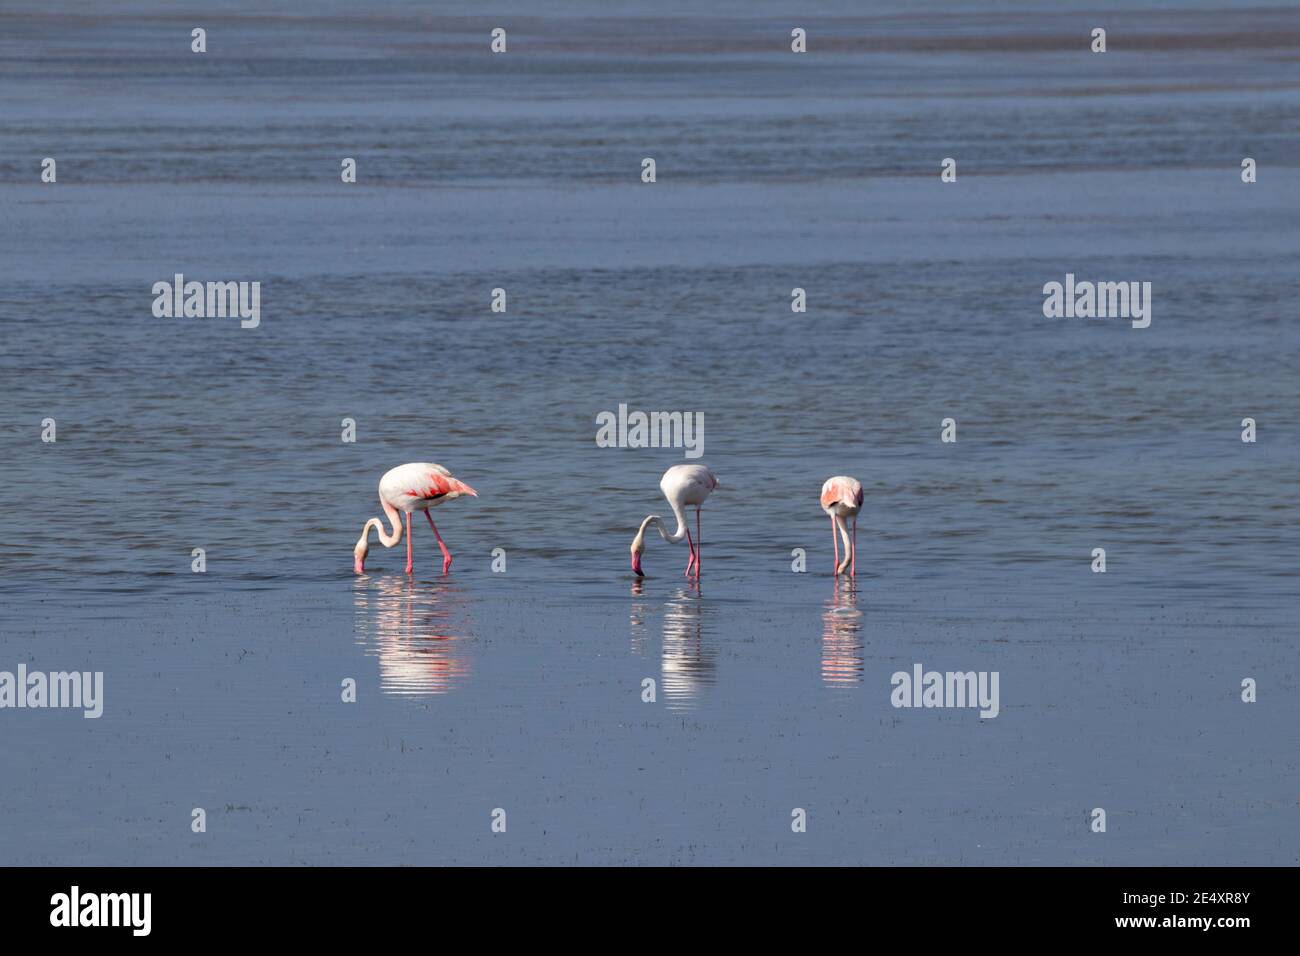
(688, 663)
(639, 611)
(842, 636)
(419, 634)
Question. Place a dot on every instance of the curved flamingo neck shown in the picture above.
(393, 537)
(676, 536)
(844, 534)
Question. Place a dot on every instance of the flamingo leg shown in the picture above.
(699, 542)
(853, 562)
(690, 562)
(446, 555)
(410, 563)
(835, 540)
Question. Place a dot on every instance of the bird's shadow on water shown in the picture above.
(421, 634)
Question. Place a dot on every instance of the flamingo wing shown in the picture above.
(690, 484)
(419, 484)
(842, 490)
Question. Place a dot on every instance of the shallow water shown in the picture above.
(522, 690)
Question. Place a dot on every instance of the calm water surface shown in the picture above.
(523, 690)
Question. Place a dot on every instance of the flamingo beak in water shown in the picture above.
(359, 561)
(636, 563)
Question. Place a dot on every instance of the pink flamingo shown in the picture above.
(842, 498)
(415, 486)
(682, 485)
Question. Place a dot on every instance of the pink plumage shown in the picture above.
(842, 499)
(415, 486)
(684, 486)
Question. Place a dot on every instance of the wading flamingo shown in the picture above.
(415, 486)
(842, 498)
(682, 485)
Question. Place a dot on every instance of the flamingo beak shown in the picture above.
(358, 564)
(636, 564)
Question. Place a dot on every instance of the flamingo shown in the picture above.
(682, 485)
(415, 486)
(842, 498)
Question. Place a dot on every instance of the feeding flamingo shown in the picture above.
(682, 485)
(415, 486)
(842, 498)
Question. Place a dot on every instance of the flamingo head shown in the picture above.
(638, 547)
(459, 488)
(359, 555)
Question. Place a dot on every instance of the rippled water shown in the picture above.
(523, 689)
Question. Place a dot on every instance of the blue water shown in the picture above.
(522, 690)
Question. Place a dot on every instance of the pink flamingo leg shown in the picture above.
(690, 562)
(699, 543)
(835, 540)
(410, 563)
(853, 562)
(446, 555)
